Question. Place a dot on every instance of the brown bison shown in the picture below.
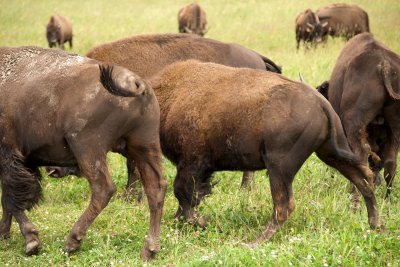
(76, 111)
(343, 20)
(308, 28)
(146, 55)
(225, 126)
(364, 89)
(192, 19)
(59, 31)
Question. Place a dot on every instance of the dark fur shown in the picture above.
(226, 127)
(308, 28)
(344, 20)
(364, 89)
(76, 113)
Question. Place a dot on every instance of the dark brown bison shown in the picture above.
(364, 89)
(59, 31)
(146, 55)
(67, 110)
(308, 28)
(376, 132)
(344, 20)
(192, 19)
(225, 126)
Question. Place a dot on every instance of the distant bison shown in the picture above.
(59, 31)
(344, 20)
(192, 19)
(211, 121)
(146, 55)
(308, 28)
(67, 110)
(364, 89)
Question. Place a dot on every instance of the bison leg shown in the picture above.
(28, 230)
(360, 175)
(282, 196)
(70, 43)
(247, 179)
(191, 185)
(148, 161)
(390, 162)
(94, 167)
(133, 185)
(5, 223)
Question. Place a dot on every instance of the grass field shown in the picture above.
(323, 231)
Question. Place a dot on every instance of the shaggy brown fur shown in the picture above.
(364, 86)
(344, 20)
(192, 19)
(226, 126)
(67, 110)
(59, 31)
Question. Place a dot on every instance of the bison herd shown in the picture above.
(145, 96)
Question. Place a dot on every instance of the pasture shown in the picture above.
(322, 231)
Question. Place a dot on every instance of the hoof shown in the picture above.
(151, 247)
(199, 221)
(32, 247)
(72, 245)
(378, 179)
(5, 235)
(250, 245)
(147, 255)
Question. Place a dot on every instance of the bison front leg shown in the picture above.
(282, 195)
(191, 185)
(95, 169)
(247, 179)
(28, 230)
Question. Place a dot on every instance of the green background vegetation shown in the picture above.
(322, 231)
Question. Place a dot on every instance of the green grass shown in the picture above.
(322, 231)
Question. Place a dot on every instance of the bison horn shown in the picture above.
(310, 25)
(324, 24)
(303, 81)
(188, 30)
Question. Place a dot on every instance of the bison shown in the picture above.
(146, 55)
(364, 89)
(59, 31)
(225, 126)
(308, 28)
(66, 110)
(192, 19)
(343, 20)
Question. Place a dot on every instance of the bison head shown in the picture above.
(317, 30)
(53, 34)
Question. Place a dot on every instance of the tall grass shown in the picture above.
(322, 231)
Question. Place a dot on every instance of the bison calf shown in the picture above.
(221, 118)
(192, 19)
(66, 110)
(59, 31)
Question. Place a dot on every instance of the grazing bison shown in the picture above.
(146, 55)
(192, 19)
(225, 126)
(364, 89)
(59, 31)
(77, 110)
(344, 20)
(308, 28)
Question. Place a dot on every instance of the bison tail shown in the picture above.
(123, 84)
(21, 185)
(270, 65)
(385, 71)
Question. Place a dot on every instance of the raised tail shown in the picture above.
(270, 65)
(122, 83)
